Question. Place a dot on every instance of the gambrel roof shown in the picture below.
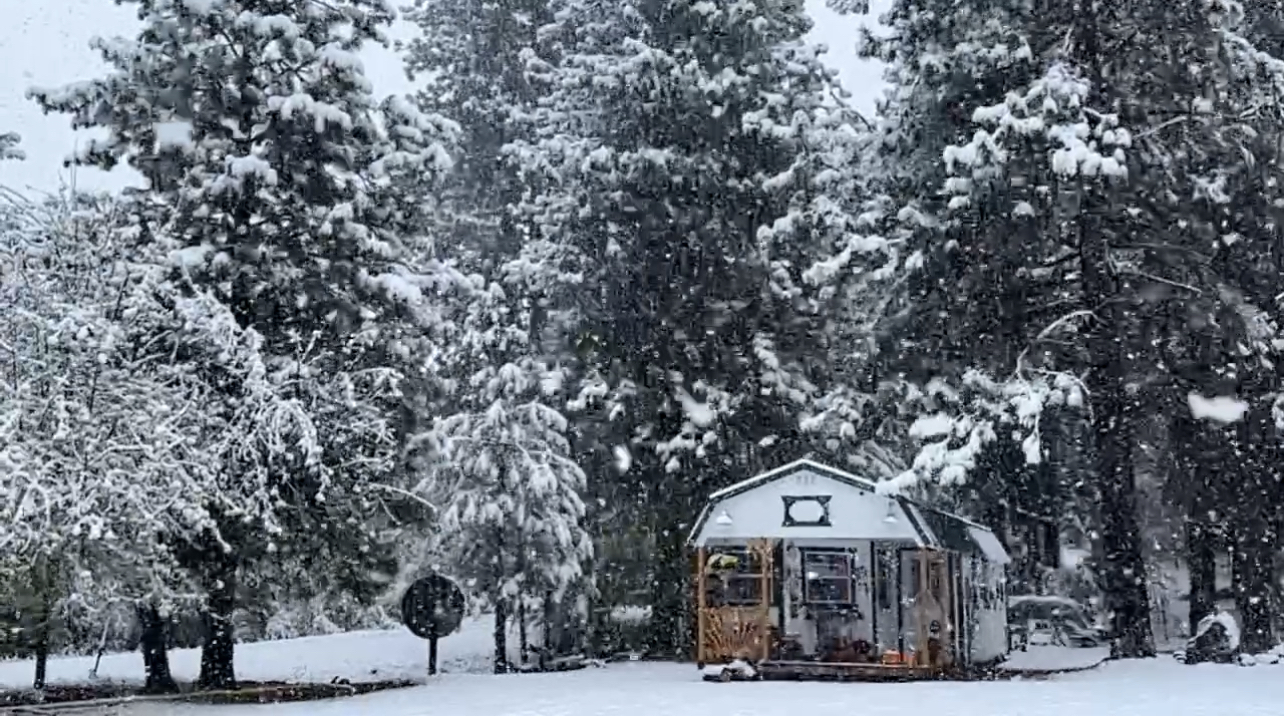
(857, 516)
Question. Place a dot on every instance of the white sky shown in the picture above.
(46, 43)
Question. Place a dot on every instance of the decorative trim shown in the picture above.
(821, 500)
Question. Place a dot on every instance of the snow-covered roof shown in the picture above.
(846, 507)
(790, 469)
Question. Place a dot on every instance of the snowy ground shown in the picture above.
(357, 656)
(384, 655)
(1158, 687)
(1048, 658)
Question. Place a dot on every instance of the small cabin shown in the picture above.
(807, 570)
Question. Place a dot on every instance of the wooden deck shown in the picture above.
(833, 671)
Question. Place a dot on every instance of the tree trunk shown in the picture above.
(1124, 579)
(1124, 582)
(41, 647)
(1201, 559)
(42, 626)
(668, 591)
(154, 643)
(217, 669)
(501, 636)
(553, 640)
(1252, 567)
(523, 639)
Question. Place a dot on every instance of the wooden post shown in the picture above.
(900, 602)
(778, 593)
(873, 599)
(764, 618)
(702, 623)
(920, 610)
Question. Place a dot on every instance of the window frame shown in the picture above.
(749, 570)
(850, 578)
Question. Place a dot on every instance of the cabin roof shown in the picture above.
(933, 527)
(789, 469)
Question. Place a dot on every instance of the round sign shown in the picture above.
(433, 607)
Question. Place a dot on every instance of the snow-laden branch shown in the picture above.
(962, 422)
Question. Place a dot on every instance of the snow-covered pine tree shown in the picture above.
(851, 276)
(1225, 345)
(512, 519)
(671, 145)
(482, 63)
(479, 62)
(288, 190)
(1047, 167)
(989, 295)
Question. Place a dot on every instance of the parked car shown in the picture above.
(1050, 620)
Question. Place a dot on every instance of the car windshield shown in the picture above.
(1054, 610)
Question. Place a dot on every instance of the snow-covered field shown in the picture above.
(1158, 687)
(1161, 687)
(357, 656)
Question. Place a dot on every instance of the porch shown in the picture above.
(874, 605)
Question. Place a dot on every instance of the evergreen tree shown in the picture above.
(512, 519)
(298, 199)
(480, 63)
(1058, 203)
(685, 189)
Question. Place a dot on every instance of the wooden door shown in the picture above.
(935, 607)
(740, 630)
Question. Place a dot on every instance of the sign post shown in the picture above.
(432, 608)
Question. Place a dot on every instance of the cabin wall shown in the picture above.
(828, 595)
(909, 562)
(823, 609)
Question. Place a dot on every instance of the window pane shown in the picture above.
(820, 565)
(743, 590)
(829, 591)
(734, 560)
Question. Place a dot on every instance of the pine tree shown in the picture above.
(972, 328)
(680, 208)
(483, 64)
(298, 199)
(1047, 184)
(512, 516)
(479, 63)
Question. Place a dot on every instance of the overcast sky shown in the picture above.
(46, 43)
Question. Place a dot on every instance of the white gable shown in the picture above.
(784, 470)
(756, 508)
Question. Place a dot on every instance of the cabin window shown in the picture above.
(806, 510)
(828, 577)
(734, 577)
